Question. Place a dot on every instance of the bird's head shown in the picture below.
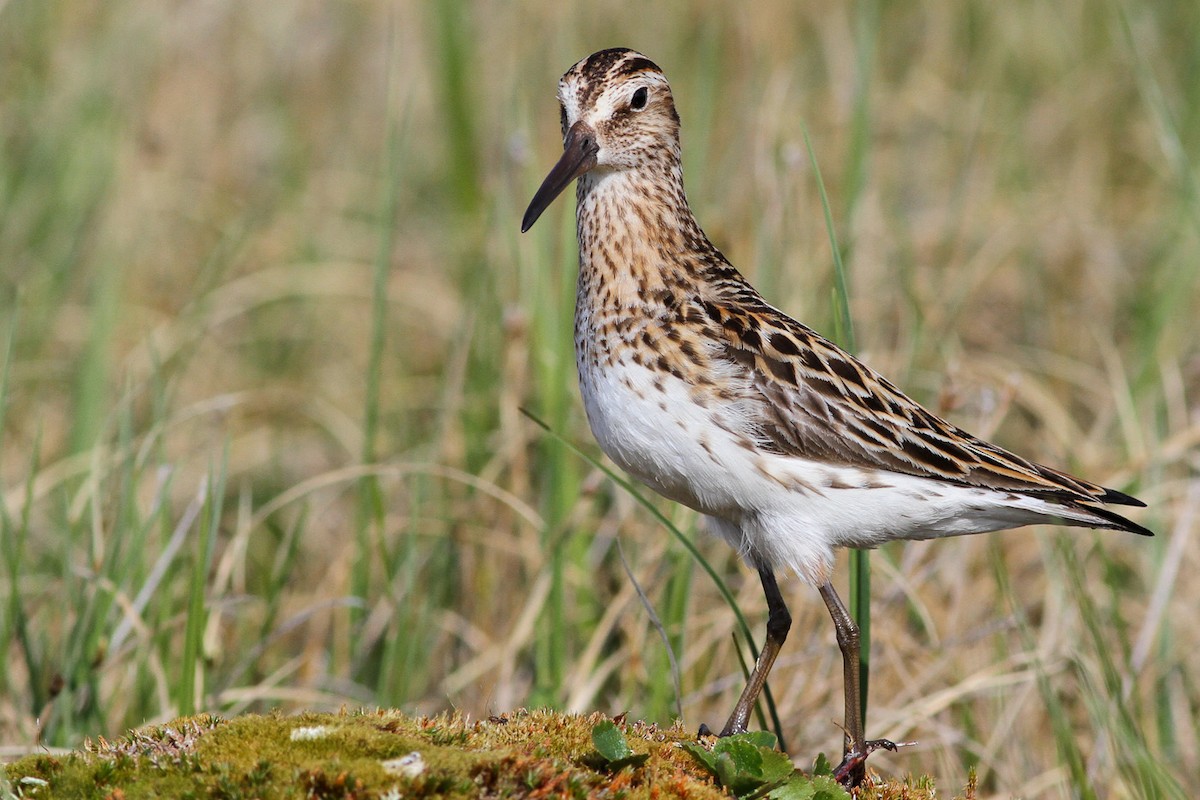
(617, 114)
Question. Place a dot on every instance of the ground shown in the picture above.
(386, 754)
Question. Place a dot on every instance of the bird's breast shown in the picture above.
(660, 408)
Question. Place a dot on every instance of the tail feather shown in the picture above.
(1120, 498)
(1100, 517)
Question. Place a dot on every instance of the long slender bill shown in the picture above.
(579, 155)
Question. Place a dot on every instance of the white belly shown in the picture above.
(779, 511)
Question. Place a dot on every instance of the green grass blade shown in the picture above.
(661, 629)
(15, 535)
(688, 545)
(371, 511)
(1112, 714)
(192, 661)
(453, 34)
(1170, 289)
(551, 294)
(860, 562)
(1069, 750)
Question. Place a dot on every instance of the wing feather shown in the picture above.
(820, 402)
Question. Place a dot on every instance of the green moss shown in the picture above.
(371, 754)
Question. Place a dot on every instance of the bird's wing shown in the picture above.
(819, 402)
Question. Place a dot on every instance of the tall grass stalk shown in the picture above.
(14, 534)
(860, 560)
(1177, 283)
(453, 29)
(1123, 740)
(192, 668)
(371, 512)
(866, 34)
(693, 551)
(1070, 750)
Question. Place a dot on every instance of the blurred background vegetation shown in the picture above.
(267, 325)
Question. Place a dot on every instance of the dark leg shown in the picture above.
(779, 622)
(853, 769)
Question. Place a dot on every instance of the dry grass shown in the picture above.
(195, 201)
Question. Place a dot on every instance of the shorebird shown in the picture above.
(696, 386)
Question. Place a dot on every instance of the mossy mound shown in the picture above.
(378, 754)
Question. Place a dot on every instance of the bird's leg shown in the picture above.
(848, 642)
(779, 622)
(853, 770)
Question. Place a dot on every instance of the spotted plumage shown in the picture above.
(698, 387)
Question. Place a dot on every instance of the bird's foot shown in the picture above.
(852, 771)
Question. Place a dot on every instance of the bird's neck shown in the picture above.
(637, 233)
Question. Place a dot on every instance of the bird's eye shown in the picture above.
(638, 101)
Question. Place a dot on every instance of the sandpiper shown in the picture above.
(696, 386)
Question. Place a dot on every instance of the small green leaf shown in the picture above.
(802, 787)
(821, 766)
(613, 750)
(703, 755)
(610, 742)
(826, 787)
(759, 739)
(748, 764)
(799, 789)
(742, 756)
(738, 773)
(775, 765)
